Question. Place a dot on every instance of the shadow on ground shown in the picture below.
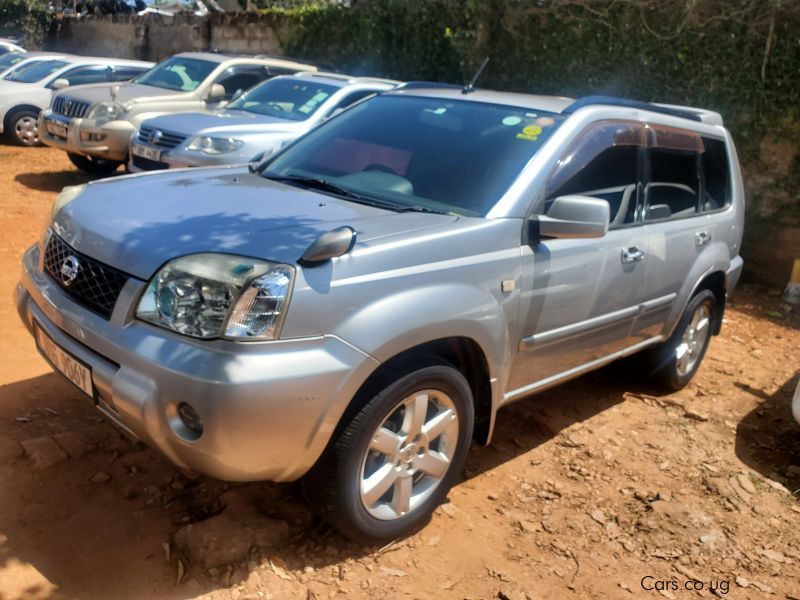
(768, 437)
(52, 181)
(94, 540)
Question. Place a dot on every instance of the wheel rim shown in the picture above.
(693, 341)
(27, 130)
(409, 454)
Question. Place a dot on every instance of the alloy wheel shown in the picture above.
(409, 454)
(690, 348)
(27, 130)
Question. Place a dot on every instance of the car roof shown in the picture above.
(260, 59)
(104, 60)
(342, 80)
(553, 104)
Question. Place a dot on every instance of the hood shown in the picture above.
(101, 92)
(139, 222)
(228, 121)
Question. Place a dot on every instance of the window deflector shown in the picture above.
(589, 145)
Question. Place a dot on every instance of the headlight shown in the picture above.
(67, 195)
(213, 145)
(218, 295)
(104, 112)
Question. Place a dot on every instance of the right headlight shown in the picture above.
(104, 112)
(219, 295)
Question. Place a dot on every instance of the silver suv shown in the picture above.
(254, 125)
(357, 308)
(94, 124)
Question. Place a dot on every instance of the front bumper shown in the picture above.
(268, 409)
(84, 137)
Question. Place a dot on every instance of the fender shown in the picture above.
(716, 257)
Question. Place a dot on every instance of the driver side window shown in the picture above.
(602, 163)
(239, 80)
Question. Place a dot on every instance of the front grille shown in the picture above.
(96, 286)
(145, 164)
(69, 107)
(167, 139)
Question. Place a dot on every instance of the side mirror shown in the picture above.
(216, 93)
(60, 83)
(574, 217)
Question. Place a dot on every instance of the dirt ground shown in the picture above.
(594, 490)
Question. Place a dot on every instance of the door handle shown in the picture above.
(701, 238)
(631, 255)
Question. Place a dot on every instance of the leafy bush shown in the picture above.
(27, 19)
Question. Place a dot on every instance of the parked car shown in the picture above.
(26, 90)
(14, 61)
(94, 125)
(358, 307)
(261, 121)
(7, 45)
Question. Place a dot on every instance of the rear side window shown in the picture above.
(674, 184)
(717, 175)
(126, 73)
(688, 174)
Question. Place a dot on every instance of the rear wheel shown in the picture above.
(395, 460)
(93, 166)
(674, 363)
(23, 127)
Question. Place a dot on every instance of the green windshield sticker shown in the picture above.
(511, 121)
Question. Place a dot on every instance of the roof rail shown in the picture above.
(613, 101)
(422, 85)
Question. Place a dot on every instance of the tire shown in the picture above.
(93, 166)
(412, 467)
(673, 364)
(22, 127)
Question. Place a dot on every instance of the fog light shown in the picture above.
(189, 417)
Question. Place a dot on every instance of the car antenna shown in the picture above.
(470, 87)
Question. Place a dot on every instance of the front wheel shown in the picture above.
(394, 462)
(674, 363)
(93, 166)
(23, 127)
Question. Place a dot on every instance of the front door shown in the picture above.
(580, 298)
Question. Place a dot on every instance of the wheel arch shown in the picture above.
(15, 109)
(463, 353)
(715, 282)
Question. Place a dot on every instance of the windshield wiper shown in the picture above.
(323, 185)
(423, 209)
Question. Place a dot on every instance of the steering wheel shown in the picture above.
(380, 167)
(276, 105)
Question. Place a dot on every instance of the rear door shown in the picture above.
(581, 297)
(685, 180)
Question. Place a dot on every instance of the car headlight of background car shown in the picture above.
(214, 145)
(105, 112)
(219, 295)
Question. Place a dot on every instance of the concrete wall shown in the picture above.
(154, 37)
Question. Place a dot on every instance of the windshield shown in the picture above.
(35, 71)
(437, 154)
(10, 59)
(291, 99)
(177, 73)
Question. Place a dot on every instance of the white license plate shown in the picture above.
(146, 152)
(56, 129)
(64, 362)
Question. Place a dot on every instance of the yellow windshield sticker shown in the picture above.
(530, 133)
